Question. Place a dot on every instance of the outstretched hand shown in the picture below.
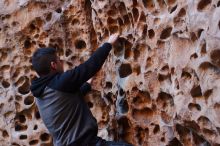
(113, 38)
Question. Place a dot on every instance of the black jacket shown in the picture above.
(60, 103)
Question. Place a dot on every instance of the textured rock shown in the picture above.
(159, 86)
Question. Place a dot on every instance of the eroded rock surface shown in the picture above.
(159, 86)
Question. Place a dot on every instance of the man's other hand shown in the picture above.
(89, 81)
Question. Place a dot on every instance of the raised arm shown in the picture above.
(74, 78)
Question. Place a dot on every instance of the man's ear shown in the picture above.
(53, 65)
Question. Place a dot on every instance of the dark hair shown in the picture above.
(42, 58)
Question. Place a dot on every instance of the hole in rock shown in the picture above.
(5, 84)
(58, 10)
(203, 48)
(134, 3)
(186, 75)
(25, 88)
(5, 134)
(200, 32)
(68, 52)
(171, 2)
(119, 46)
(33, 142)
(29, 100)
(173, 9)
(120, 21)
(193, 36)
(141, 134)
(192, 106)
(215, 57)
(149, 4)
(196, 91)
(142, 17)
(113, 29)
(151, 33)
(166, 118)
(126, 19)
(218, 4)
(49, 16)
(44, 137)
(27, 44)
(42, 45)
(162, 77)
(136, 54)
(156, 129)
(135, 14)
(143, 97)
(124, 127)
(108, 85)
(110, 21)
(21, 118)
(217, 107)
(17, 106)
(164, 100)
(208, 132)
(90, 104)
(199, 140)
(192, 125)
(204, 121)
(149, 62)
(166, 33)
(165, 68)
(123, 105)
(35, 127)
(128, 53)
(137, 69)
(22, 137)
(208, 93)
(80, 44)
(182, 12)
(121, 92)
(144, 33)
(19, 127)
(143, 115)
(125, 70)
(122, 8)
(112, 12)
(18, 98)
(207, 65)
(203, 4)
(37, 115)
(175, 142)
(182, 131)
(219, 24)
(109, 97)
(75, 22)
(161, 3)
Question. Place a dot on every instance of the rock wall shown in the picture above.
(159, 86)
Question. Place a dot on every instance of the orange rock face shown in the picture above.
(159, 86)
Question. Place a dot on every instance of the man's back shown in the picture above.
(67, 117)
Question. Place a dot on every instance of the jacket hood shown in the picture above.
(38, 85)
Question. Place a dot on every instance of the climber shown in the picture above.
(59, 97)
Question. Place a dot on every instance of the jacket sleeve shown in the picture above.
(73, 79)
(85, 88)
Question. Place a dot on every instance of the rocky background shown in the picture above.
(159, 86)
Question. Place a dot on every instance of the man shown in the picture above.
(59, 97)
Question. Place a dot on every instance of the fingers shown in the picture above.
(113, 38)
